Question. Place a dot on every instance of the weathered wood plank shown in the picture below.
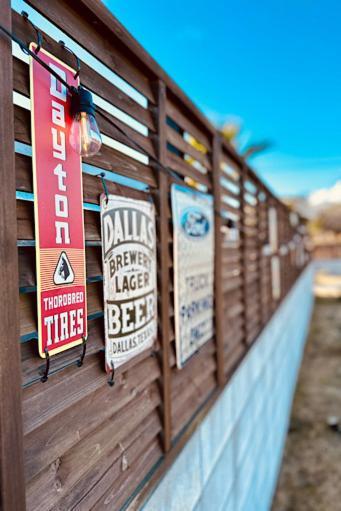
(180, 143)
(136, 456)
(175, 113)
(12, 486)
(72, 465)
(218, 264)
(163, 227)
(183, 168)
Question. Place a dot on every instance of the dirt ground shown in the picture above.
(310, 478)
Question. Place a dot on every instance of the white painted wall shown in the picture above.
(231, 463)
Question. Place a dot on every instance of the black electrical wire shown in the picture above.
(23, 46)
(27, 51)
(229, 222)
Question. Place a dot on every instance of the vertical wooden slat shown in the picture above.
(259, 254)
(243, 170)
(12, 486)
(262, 259)
(163, 193)
(218, 279)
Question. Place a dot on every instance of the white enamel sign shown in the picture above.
(193, 226)
(129, 273)
(273, 229)
(276, 277)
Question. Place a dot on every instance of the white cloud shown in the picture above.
(325, 196)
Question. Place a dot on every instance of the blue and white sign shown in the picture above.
(193, 253)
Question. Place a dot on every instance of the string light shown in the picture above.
(85, 136)
(88, 142)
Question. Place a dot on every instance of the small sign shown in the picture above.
(230, 236)
(276, 277)
(129, 273)
(294, 218)
(193, 242)
(58, 207)
(273, 229)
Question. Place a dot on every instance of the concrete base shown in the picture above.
(231, 463)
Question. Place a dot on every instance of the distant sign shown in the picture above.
(129, 272)
(193, 226)
(276, 277)
(59, 225)
(273, 229)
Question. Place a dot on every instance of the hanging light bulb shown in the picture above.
(85, 136)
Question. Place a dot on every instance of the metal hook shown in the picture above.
(81, 360)
(25, 15)
(104, 184)
(78, 64)
(111, 381)
(150, 199)
(44, 378)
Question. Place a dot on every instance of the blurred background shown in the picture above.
(273, 88)
(267, 74)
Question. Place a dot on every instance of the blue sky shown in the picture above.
(273, 65)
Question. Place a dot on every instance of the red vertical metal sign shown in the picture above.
(59, 222)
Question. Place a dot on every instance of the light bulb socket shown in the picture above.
(81, 101)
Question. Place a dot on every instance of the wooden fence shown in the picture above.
(74, 442)
(326, 251)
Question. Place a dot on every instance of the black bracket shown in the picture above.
(78, 64)
(150, 198)
(45, 376)
(104, 184)
(81, 359)
(25, 15)
(111, 381)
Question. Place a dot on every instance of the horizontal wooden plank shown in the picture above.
(107, 124)
(232, 284)
(92, 185)
(233, 357)
(25, 219)
(107, 158)
(185, 413)
(227, 191)
(183, 380)
(180, 143)
(179, 117)
(228, 208)
(234, 311)
(234, 338)
(230, 172)
(180, 166)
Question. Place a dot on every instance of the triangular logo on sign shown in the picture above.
(64, 273)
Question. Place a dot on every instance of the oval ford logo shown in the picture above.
(195, 223)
